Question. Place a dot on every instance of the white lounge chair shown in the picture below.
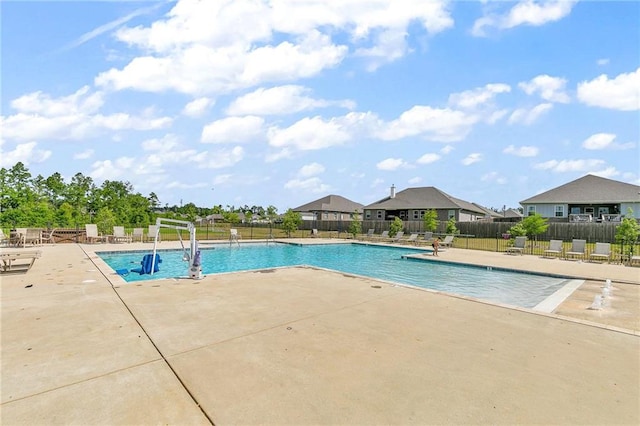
(93, 235)
(577, 250)
(602, 252)
(151, 234)
(413, 238)
(518, 246)
(120, 236)
(369, 234)
(383, 235)
(48, 237)
(137, 234)
(12, 261)
(555, 249)
(447, 242)
(397, 237)
(314, 233)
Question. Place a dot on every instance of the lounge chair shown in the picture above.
(137, 234)
(93, 235)
(447, 242)
(634, 260)
(428, 236)
(602, 252)
(18, 237)
(397, 237)
(518, 246)
(369, 234)
(4, 240)
(151, 234)
(314, 233)
(577, 250)
(554, 250)
(413, 238)
(120, 236)
(234, 236)
(383, 235)
(9, 259)
(48, 237)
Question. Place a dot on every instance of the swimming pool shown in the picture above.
(381, 262)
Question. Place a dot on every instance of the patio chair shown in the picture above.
(234, 235)
(137, 234)
(578, 249)
(93, 235)
(383, 235)
(120, 236)
(4, 240)
(397, 237)
(555, 249)
(18, 237)
(314, 233)
(9, 259)
(48, 237)
(413, 238)
(151, 234)
(602, 252)
(447, 242)
(369, 234)
(518, 246)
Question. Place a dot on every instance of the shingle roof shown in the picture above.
(330, 203)
(427, 197)
(588, 189)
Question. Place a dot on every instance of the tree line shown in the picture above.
(27, 201)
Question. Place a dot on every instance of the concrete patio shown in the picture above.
(308, 346)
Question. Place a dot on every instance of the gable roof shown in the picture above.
(427, 197)
(588, 189)
(330, 203)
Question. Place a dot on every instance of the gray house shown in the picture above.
(412, 203)
(331, 207)
(587, 199)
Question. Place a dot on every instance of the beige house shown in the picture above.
(412, 203)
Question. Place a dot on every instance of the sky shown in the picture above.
(284, 102)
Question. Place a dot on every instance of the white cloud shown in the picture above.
(432, 123)
(312, 169)
(549, 88)
(311, 133)
(470, 99)
(280, 100)
(604, 141)
(219, 158)
(313, 185)
(603, 61)
(428, 158)
(27, 153)
(526, 12)
(494, 177)
(197, 107)
(414, 180)
(446, 149)
(185, 53)
(529, 116)
(560, 166)
(472, 158)
(620, 93)
(391, 164)
(233, 130)
(73, 117)
(523, 151)
(87, 153)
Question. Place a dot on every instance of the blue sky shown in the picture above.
(280, 103)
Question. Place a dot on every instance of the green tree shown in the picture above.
(105, 220)
(395, 227)
(451, 227)
(534, 225)
(355, 227)
(291, 221)
(627, 232)
(231, 217)
(430, 220)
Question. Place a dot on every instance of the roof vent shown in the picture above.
(393, 191)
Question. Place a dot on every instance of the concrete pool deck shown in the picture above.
(308, 346)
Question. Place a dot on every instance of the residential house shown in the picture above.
(587, 199)
(329, 208)
(413, 203)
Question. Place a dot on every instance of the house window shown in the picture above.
(531, 210)
(559, 211)
(416, 214)
(451, 214)
(367, 214)
(421, 214)
(575, 210)
(379, 214)
(403, 215)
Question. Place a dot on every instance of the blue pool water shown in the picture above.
(386, 263)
